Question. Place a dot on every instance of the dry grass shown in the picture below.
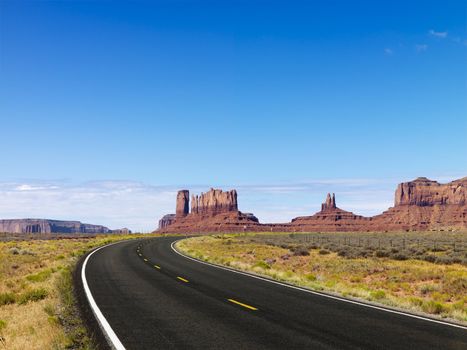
(37, 306)
(413, 284)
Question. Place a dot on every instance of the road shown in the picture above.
(154, 298)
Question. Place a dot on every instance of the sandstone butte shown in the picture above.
(421, 204)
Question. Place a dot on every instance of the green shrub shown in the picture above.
(382, 253)
(378, 295)
(2, 325)
(49, 310)
(428, 288)
(7, 298)
(262, 264)
(310, 277)
(33, 295)
(27, 252)
(324, 252)
(300, 251)
(400, 256)
(14, 251)
(433, 307)
(430, 258)
(40, 276)
(416, 301)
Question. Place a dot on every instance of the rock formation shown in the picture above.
(212, 211)
(52, 226)
(424, 204)
(421, 204)
(214, 202)
(425, 192)
(166, 220)
(183, 203)
(330, 218)
(330, 203)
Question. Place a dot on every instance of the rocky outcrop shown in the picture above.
(424, 192)
(51, 226)
(424, 204)
(330, 203)
(421, 204)
(166, 221)
(214, 202)
(210, 212)
(183, 203)
(330, 218)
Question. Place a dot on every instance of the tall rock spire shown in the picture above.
(183, 199)
(330, 202)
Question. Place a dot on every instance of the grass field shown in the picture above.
(418, 272)
(37, 303)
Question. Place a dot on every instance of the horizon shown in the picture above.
(108, 109)
(366, 197)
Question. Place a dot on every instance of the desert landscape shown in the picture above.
(257, 175)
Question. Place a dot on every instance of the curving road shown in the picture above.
(154, 298)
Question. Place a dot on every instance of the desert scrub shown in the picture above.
(436, 247)
(37, 303)
(384, 275)
(33, 295)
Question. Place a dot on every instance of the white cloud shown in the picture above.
(421, 47)
(388, 51)
(111, 203)
(27, 187)
(440, 35)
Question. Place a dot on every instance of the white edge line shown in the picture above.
(316, 293)
(103, 323)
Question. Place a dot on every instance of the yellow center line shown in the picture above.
(241, 304)
(157, 267)
(140, 254)
(145, 260)
(182, 279)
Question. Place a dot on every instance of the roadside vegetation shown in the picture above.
(37, 303)
(423, 272)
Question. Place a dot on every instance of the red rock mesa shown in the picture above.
(421, 204)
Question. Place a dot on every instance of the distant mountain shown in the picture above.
(53, 226)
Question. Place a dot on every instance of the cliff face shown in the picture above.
(183, 203)
(425, 204)
(214, 202)
(424, 192)
(52, 226)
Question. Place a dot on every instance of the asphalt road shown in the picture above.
(154, 298)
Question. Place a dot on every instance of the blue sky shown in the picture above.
(109, 107)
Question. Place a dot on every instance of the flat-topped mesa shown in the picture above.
(183, 203)
(50, 226)
(214, 202)
(330, 203)
(166, 220)
(424, 192)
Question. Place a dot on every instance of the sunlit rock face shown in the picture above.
(214, 202)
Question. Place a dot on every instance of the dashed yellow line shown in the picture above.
(242, 304)
(182, 279)
(157, 267)
(140, 254)
(145, 260)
